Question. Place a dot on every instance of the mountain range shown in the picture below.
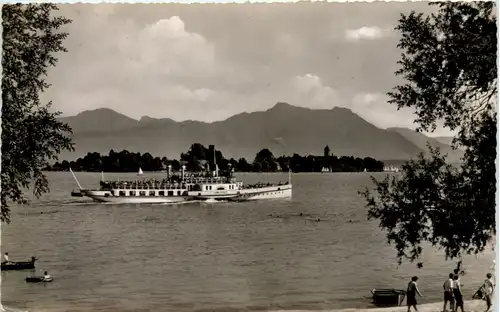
(284, 129)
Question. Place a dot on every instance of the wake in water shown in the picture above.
(4, 308)
(207, 201)
(211, 201)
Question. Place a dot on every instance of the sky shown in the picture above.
(208, 62)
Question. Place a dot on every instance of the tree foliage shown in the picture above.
(449, 65)
(196, 159)
(31, 134)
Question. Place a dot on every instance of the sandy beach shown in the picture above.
(470, 306)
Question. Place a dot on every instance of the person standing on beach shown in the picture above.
(448, 293)
(457, 293)
(411, 294)
(488, 287)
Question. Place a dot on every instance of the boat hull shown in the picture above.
(388, 297)
(24, 265)
(139, 199)
(273, 192)
(244, 194)
(38, 279)
(108, 197)
(269, 192)
(76, 194)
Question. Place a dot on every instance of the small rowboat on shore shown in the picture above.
(479, 294)
(388, 297)
(22, 265)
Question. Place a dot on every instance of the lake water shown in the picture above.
(213, 256)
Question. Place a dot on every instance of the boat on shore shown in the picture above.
(185, 187)
(20, 265)
(388, 297)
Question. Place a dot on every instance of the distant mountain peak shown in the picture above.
(283, 106)
(147, 119)
(97, 110)
(102, 111)
(342, 109)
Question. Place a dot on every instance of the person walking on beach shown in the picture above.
(457, 293)
(448, 293)
(411, 294)
(488, 287)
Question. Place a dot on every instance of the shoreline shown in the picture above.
(469, 305)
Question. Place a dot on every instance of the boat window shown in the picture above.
(132, 193)
(151, 193)
(161, 193)
(142, 193)
(170, 193)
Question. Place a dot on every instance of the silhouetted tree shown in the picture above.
(31, 134)
(264, 161)
(243, 165)
(126, 161)
(449, 63)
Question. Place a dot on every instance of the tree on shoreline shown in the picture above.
(449, 64)
(194, 159)
(31, 134)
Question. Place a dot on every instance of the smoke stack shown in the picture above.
(183, 169)
(169, 169)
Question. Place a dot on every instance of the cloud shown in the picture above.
(144, 67)
(365, 33)
(167, 49)
(183, 62)
(310, 91)
(374, 108)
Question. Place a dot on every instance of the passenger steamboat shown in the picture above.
(185, 187)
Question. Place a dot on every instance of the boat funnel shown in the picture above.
(169, 169)
(183, 170)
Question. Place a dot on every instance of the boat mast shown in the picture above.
(74, 176)
(289, 173)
